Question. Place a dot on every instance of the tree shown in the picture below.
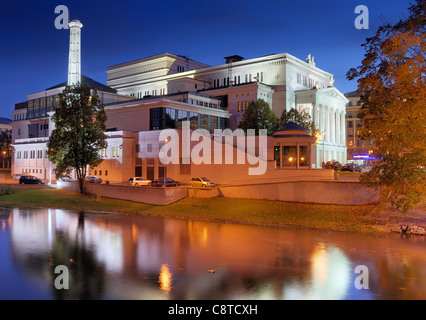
(392, 86)
(79, 132)
(259, 115)
(301, 118)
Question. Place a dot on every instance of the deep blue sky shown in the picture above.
(34, 54)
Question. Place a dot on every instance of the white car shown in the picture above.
(201, 182)
(138, 181)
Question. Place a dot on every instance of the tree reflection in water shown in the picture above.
(86, 275)
(114, 256)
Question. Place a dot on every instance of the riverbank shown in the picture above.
(368, 218)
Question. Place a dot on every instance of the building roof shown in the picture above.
(291, 126)
(352, 94)
(5, 120)
(90, 82)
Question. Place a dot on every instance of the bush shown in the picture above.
(6, 190)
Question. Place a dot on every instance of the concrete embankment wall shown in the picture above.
(321, 192)
(154, 196)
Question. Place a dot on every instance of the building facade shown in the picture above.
(361, 152)
(144, 97)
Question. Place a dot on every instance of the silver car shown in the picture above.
(138, 181)
(201, 182)
(93, 179)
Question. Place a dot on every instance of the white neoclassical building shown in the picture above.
(282, 80)
(164, 91)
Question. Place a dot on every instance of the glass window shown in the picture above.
(204, 121)
(289, 156)
(170, 118)
(155, 119)
(30, 109)
(213, 123)
(193, 118)
(277, 155)
(182, 116)
(303, 156)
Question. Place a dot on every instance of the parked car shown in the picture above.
(201, 182)
(93, 179)
(333, 164)
(30, 180)
(159, 182)
(352, 167)
(66, 179)
(138, 181)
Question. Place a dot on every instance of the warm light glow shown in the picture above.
(166, 140)
(303, 159)
(290, 159)
(165, 279)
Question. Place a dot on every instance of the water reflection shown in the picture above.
(133, 257)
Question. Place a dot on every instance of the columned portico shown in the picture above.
(328, 114)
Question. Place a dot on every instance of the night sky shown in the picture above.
(34, 54)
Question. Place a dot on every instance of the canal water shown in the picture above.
(115, 256)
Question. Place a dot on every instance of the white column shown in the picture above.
(342, 129)
(74, 66)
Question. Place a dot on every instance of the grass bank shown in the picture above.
(260, 212)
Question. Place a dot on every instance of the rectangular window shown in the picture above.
(149, 147)
(170, 118)
(182, 116)
(204, 121)
(155, 119)
(277, 155)
(193, 118)
(36, 108)
(303, 156)
(289, 156)
(213, 123)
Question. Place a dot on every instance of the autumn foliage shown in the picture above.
(392, 86)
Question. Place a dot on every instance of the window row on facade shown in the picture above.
(167, 118)
(308, 82)
(37, 108)
(31, 154)
(224, 82)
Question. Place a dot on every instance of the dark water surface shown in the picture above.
(114, 256)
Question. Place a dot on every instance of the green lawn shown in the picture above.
(262, 212)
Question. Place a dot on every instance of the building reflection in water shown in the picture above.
(114, 256)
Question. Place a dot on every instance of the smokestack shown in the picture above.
(74, 66)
